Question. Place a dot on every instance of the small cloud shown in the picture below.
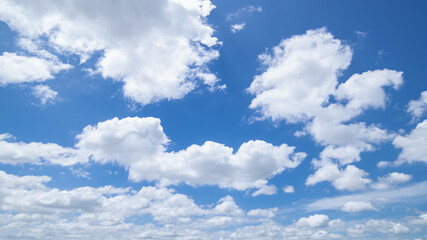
(361, 35)
(352, 206)
(245, 10)
(237, 27)
(289, 189)
(44, 94)
(265, 190)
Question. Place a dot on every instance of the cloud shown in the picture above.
(351, 178)
(418, 107)
(405, 194)
(289, 189)
(16, 69)
(243, 11)
(314, 221)
(268, 213)
(352, 206)
(36, 153)
(300, 85)
(265, 190)
(237, 27)
(374, 226)
(158, 49)
(44, 94)
(413, 145)
(391, 179)
(140, 145)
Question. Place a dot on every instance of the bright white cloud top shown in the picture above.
(205, 119)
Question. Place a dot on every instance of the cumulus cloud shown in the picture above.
(24, 69)
(314, 221)
(413, 145)
(418, 107)
(237, 27)
(268, 213)
(300, 84)
(44, 94)
(353, 206)
(140, 145)
(391, 179)
(351, 178)
(374, 226)
(289, 189)
(158, 49)
(12, 152)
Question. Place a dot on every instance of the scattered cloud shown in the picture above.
(289, 189)
(243, 11)
(237, 27)
(140, 145)
(352, 206)
(171, 35)
(44, 94)
(16, 69)
(301, 78)
(417, 108)
(413, 145)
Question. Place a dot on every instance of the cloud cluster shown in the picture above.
(300, 84)
(140, 145)
(158, 49)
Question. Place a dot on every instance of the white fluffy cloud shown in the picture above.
(36, 153)
(351, 178)
(44, 94)
(353, 206)
(237, 27)
(314, 221)
(413, 145)
(300, 84)
(418, 107)
(391, 179)
(139, 145)
(159, 49)
(289, 189)
(24, 69)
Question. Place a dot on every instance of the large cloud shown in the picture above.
(140, 145)
(158, 48)
(413, 145)
(300, 84)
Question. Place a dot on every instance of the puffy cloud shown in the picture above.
(375, 226)
(288, 189)
(265, 190)
(301, 74)
(44, 94)
(391, 179)
(300, 84)
(24, 69)
(413, 145)
(418, 107)
(314, 221)
(268, 213)
(237, 27)
(353, 206)
(227, 206)
(158, 49)
(139, 145)
(36, 153)
(351, 178)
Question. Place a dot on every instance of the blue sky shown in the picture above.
(204, 119)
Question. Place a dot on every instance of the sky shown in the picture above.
(206, 119)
